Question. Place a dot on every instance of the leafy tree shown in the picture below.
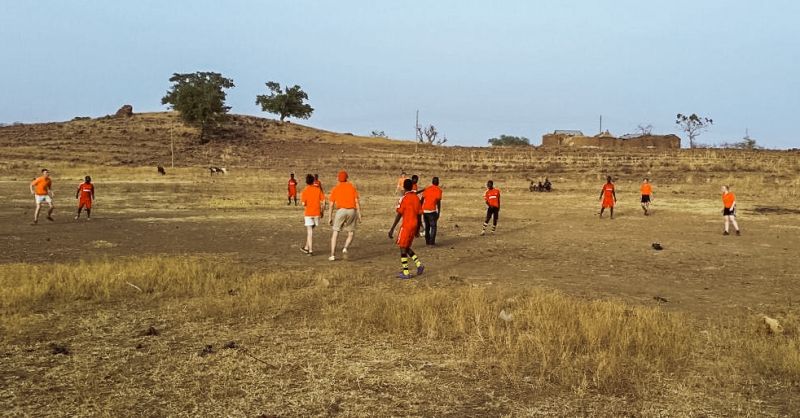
(509, 140)
(200, 98)
(286, 103)
(693, 125)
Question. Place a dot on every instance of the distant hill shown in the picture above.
(247, 141)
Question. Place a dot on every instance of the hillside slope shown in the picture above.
(248, 141)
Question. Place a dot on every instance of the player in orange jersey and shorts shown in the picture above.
(647, 195)
(41, 189)
(292, 189)
(313, 202)
(85, 196)
(608, 195)
(729, 210)
(492, 199)
(345, 199)
(431, 209)
(409, 210)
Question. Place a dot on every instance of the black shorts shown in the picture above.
(645, 198)
(728, 212)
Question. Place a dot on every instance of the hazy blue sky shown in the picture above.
(475, 69)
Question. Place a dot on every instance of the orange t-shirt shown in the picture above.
(646, 189)
(728, 199)
(492, 197)
(344, 195)
(312, 199)
(414, 187)
(85, 192)
(292, 186)
(431, 196)
(41, 185)
(410, 208)
(608, 191)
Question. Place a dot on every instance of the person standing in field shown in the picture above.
(85, 196)
(313, 203)
(292, 189)
(41, 189)
(344, 198)
(647, 195)
(608, 195)
(409, 210)
(414, 183)
(431, 209)
(729, 210)
(318, 183)
(492, 199)
(399, 190)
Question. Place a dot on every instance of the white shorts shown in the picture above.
(311, 220)
(43, 198)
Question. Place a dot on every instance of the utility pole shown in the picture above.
(416, 127)
(601, 123)
(172, 147)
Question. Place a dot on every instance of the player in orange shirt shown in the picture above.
(41, 189)
(313, 201)
(647, 196)
(608, 195)
(414, 183)
(318, 183)
(292, 189)
(729, 210)
(344, 197)
(431, 210)
(85, 196)
(409, 210)
(492, 199)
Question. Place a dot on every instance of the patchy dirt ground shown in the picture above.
(544, 239)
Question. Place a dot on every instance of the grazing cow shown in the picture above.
(218, 170)
(162, 171)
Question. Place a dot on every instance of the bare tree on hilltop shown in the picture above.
(199, 98)
(430, 136)
(693, 125)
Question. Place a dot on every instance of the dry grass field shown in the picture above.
(187, 294)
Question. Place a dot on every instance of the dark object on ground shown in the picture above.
(59, 348)
(545, 186)
(231, 345)
(657, 246)
(660, 299)
(152, 332)
(162, 171)
(125, 111)
(217, 170)
(208, 349)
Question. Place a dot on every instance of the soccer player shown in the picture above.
(400, 180)
(313, 200)
(647, 196)
(729, 210)
(292, 189)
(409, 209)
(492, 199)
(41, 189)
(85, 196)
(318, 183)
(414, 183)
(608, 196)
(431, 209)
(344, 197)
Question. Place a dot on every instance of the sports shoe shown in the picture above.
(725, 233)
(50, 218)
(403, 276)
(303, 250)
(483, 232)
(420, 270)
(344, 250)
(332, 258)
(76, 218)
(738, 233)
